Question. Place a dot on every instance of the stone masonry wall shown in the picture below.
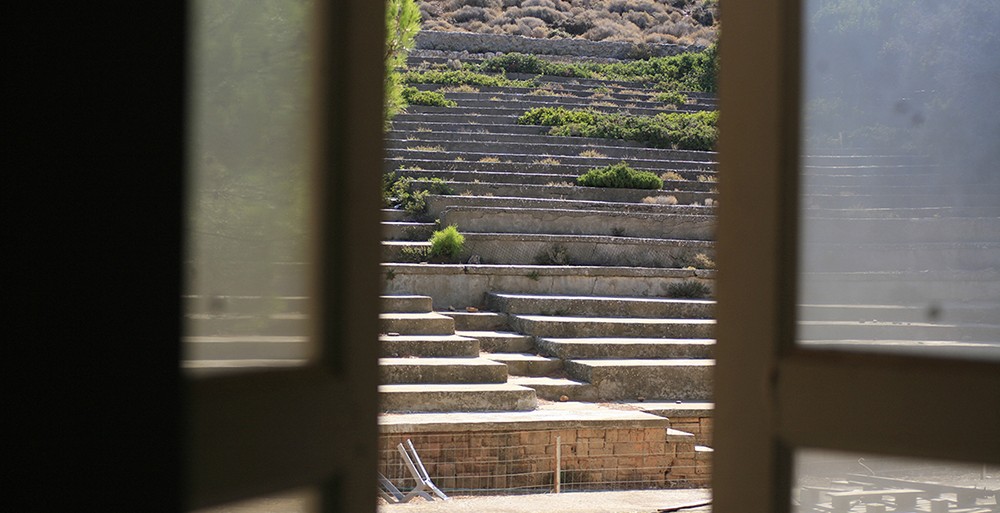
(700, 427)
(498, 43)
(630, 458)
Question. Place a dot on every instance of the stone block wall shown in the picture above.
(605, 459)
(498, 43)
(700, 427)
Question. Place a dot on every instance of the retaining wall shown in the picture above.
(497, 43)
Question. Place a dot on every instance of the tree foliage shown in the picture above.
(402, 22)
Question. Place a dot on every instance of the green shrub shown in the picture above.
(402, 22)
(463, 77)
(414, 96)
(410, 194)
(672, 98)
(620, 176)
(688, 289)
(679, 130)
(447, 243)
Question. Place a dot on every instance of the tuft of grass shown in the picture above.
(708, 178)
(702, 261)
(490, 159)
(554, 255)
(462, 88)
(447, 243)
(660, 200)
(414, 96)
(592, 154)
(688, 289)
(671, 176)
(560, 184)
(620, 176)
(426, 148)
(549, 161)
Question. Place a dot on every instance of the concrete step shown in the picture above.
(428, 346)
(675, 409)
(561, 147)
(587, 250)
(924, 288)
(478, 321)
(416, 324)
(436, 204)
(580, 222)
(223, 304)
(467, 284)
(984, 200)
(878, 330)
(403, 128)
(914, 257)
(625, 348)
(936, 230)
(944, 348)
(514, 177)
(519, 163)
(635, 105)
(905, 213)
(456, 116)
(218, 367)
(406, 230)
(573, 192)
(543, 326)
(391, 214)
(539, 135)
(523, 364)
(941, 312)
(407, 304)
(682, 379)
(500, 341)
(436, 154)
(246, 347)
(399, 371)
(556, 389)
(603, 306)
(452, 397)
(246, 324)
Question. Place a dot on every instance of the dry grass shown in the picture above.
(426, 148)
(637, 21)
(490, 159)
(560, 184)
(660, 200)
(547, 161)
(671, 176)
(594, 154)
(464, 88)
(707, 178)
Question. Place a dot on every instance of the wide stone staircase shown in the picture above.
(582, 295)
(899, 253)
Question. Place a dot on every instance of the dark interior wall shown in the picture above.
(93, 162)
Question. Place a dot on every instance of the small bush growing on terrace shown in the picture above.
(672, 98)
(671, 176)
(463, 77)
(680, 130)
(414, 96)
(688, 289)
(621, 176)
(402, 193)
(447, 243)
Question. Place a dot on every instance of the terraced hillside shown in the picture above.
(577, 289)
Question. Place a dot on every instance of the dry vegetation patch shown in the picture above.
(639, 21)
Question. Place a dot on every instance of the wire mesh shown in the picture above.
(525, 461)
